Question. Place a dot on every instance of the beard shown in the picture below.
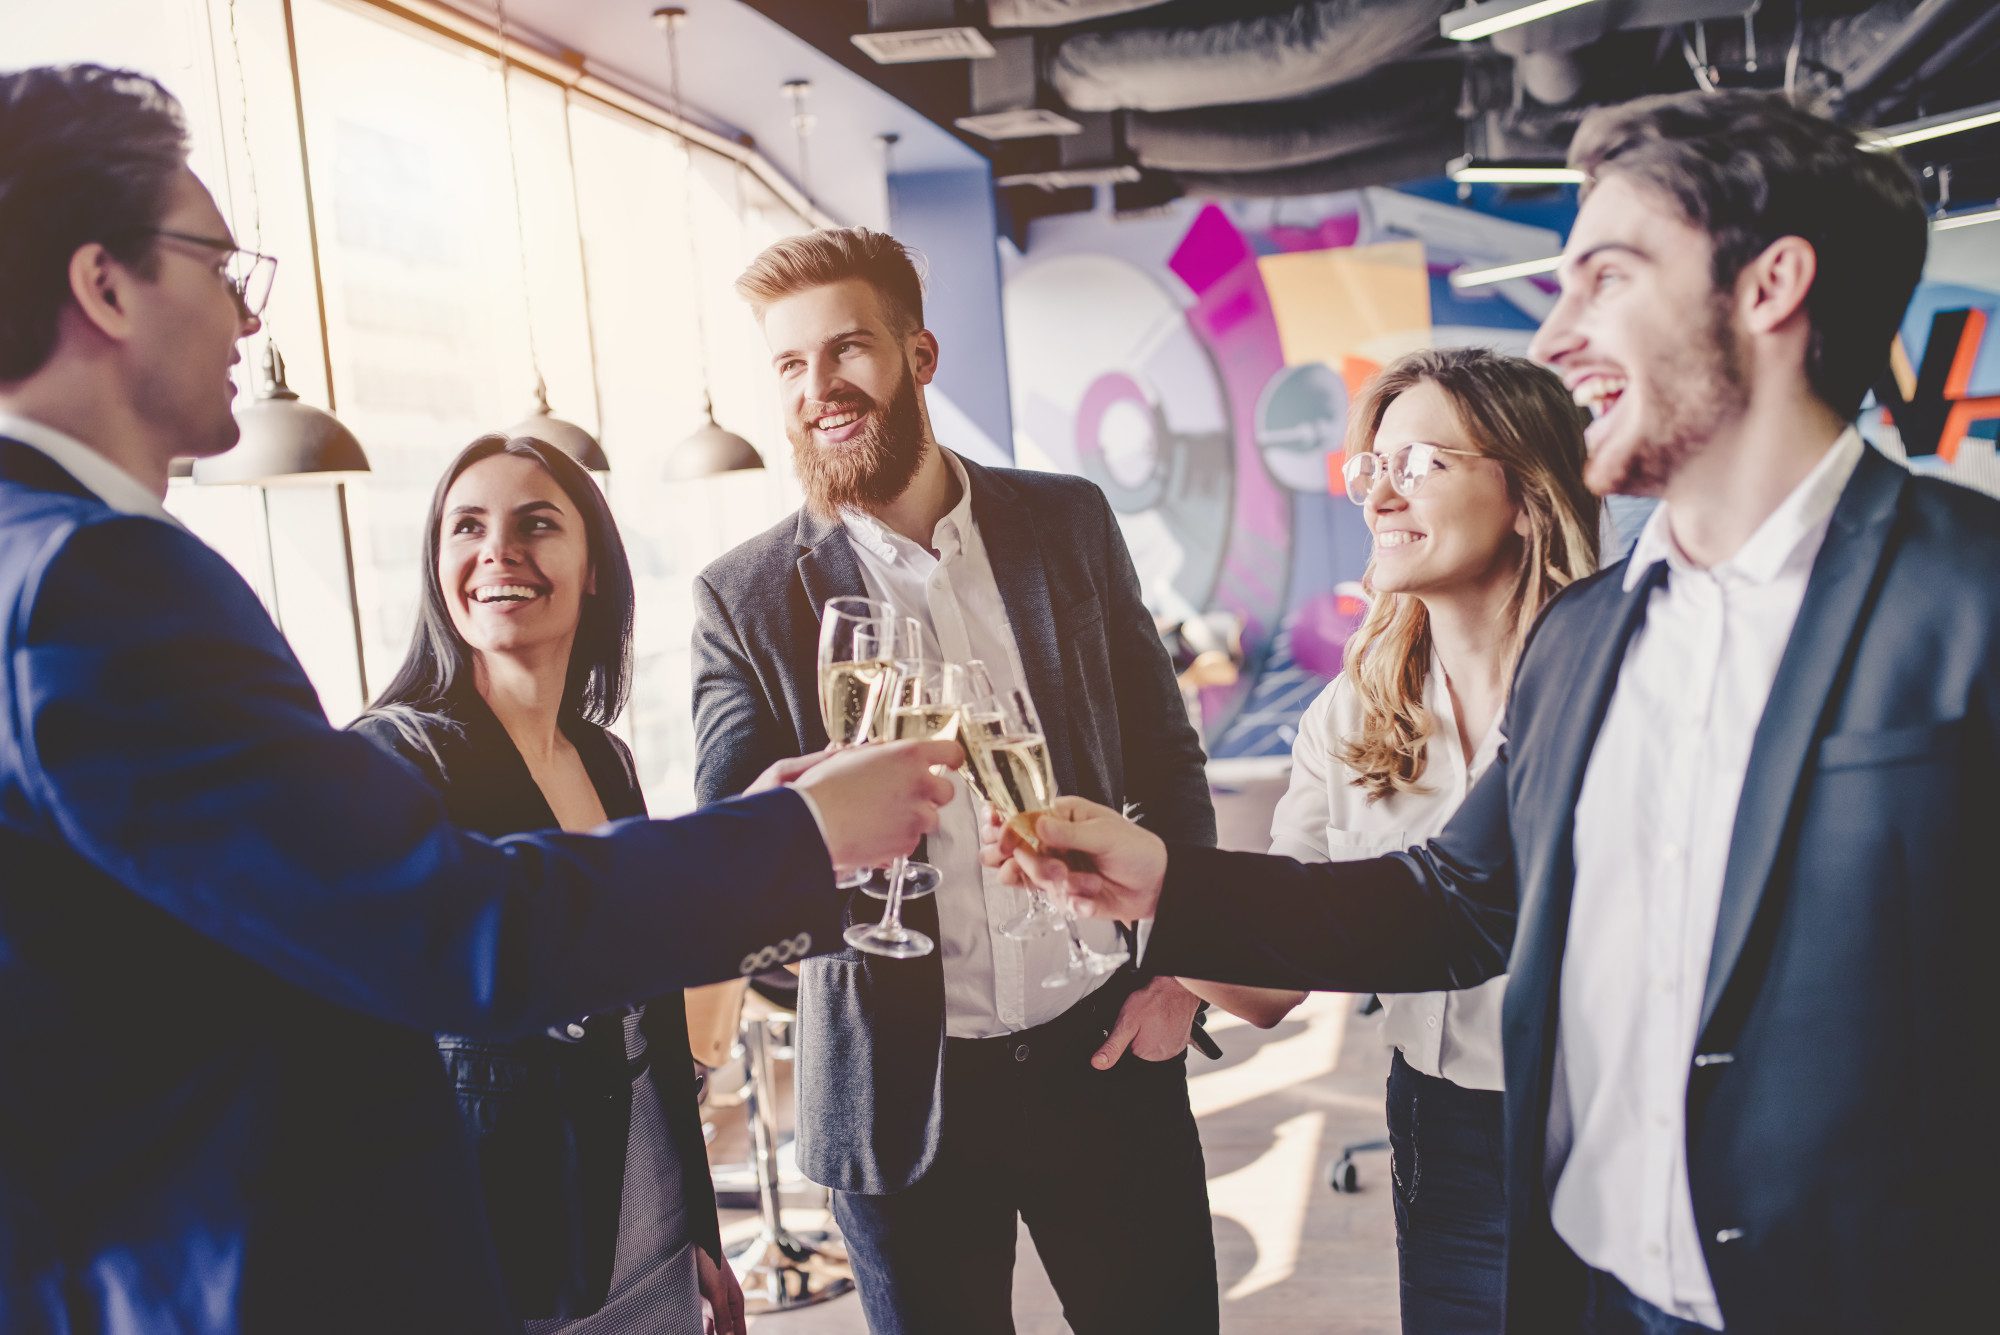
(1690, 395)
(872, 468)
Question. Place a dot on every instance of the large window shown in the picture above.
(427, 289)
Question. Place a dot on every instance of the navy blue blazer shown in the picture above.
(228, 931)
(1839, 1101)
(871, 1038)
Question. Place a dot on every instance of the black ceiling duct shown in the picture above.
(1350, 119)
(1390, 164)
(1291, 54)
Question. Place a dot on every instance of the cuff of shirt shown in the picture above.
(818, 819)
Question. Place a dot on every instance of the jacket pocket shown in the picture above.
(1891, 746)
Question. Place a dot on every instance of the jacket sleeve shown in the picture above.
(1165, 768)
(174, 743)
(1437, 917)
(736, 733)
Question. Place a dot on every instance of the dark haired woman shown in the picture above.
(589, 1144)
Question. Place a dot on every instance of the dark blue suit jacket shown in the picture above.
(872, 1030)
(227, 932)
(1839, 1100)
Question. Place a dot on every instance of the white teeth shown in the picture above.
(1598, 393)
(1397, 537)
(837, 421)
(508, 593)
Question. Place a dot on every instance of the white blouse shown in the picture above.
(1323, 817)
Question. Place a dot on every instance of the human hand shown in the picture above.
(1118, 875)
(785, 771)
(722, 1293)
(876, 801)
(1154, 1023)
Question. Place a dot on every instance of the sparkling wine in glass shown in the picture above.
(856, 650)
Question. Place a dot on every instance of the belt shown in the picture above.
(1072, 1036)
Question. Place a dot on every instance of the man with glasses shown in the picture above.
(226, 929)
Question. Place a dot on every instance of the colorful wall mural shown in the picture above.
(1197, 364)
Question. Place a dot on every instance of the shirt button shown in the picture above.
(1655, 1250)
(574, 1029)
(1020, 1052)
(1430, 1021)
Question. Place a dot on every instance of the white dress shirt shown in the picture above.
(1323, 817)
(1653, 826)
(992, 985)
(104, 479)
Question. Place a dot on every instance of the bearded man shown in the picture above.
(946, 1098)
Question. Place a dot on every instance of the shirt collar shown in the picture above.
(1801, 516)
(104, 479)
(949, 535)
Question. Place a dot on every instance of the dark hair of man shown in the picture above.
(86, 154)
(815, 259)
(438, 666)
(1748, 168)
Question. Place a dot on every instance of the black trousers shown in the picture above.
(1104, 1166)
(1445, 1145)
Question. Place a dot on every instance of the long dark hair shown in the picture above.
(439, 664)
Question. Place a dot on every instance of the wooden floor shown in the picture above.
(1294, 1257)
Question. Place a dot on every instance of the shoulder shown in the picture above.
(96, 568)
(1957, 523)
(776, 547)
(1061, 489)
(423, 738)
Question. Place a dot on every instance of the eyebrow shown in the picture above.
(844, 336)
(1626, 247)
(526, 507)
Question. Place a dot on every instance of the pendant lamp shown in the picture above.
(712, 449)
(283, 438)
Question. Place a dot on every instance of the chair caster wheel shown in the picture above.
(1343, 1177)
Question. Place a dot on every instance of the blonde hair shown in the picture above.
(830, 255)
(1519, 414)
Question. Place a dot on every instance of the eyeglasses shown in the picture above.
(1408, 466)
(247, 273)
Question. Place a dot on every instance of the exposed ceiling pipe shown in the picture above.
(1265, 58)
(1878, 61)
(1422, 155)
(1056, 13)
(1552, 78)
(1350, 119)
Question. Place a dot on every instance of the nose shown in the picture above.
(1558, 337)
(823, 382)
(251, 324)
(499, 548)
(1382, 495)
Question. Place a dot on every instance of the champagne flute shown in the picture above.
(856, 643)
(1019, 775)
(925, 707)
(923, 703)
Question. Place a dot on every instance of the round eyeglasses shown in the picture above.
(1408, 465)
(246, 273)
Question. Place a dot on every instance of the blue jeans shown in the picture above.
(1613, 1309)
(1451, 1205)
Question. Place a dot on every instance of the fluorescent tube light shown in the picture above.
(1477, 21)
(1973, 219)
(1497, 171)
(1937, 127)
(1501, 273)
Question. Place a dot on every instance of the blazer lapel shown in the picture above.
(1843, 579)
(24, 463)
(1007, 528)
(1548, 795)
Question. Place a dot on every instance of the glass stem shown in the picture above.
(892, 920)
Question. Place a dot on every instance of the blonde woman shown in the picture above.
(1469, 465)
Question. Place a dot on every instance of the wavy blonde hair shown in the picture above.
(1519, 414)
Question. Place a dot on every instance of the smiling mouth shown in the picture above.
(1398, 537)
(507, 593)
(1599, 395)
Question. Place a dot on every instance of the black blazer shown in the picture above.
(548, 1114)
(873, 1030)
(1839, 1112)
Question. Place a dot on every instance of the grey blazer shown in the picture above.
(873, 1030)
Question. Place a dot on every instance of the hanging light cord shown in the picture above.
(672, 25)
(514, 179)
(243, 130)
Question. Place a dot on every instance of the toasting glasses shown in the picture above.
(925, 700)
(1004, 737)
(856, 649)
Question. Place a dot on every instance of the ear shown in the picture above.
(1774, 285)
(102, 290)
(923, 353)
(1521, 526)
